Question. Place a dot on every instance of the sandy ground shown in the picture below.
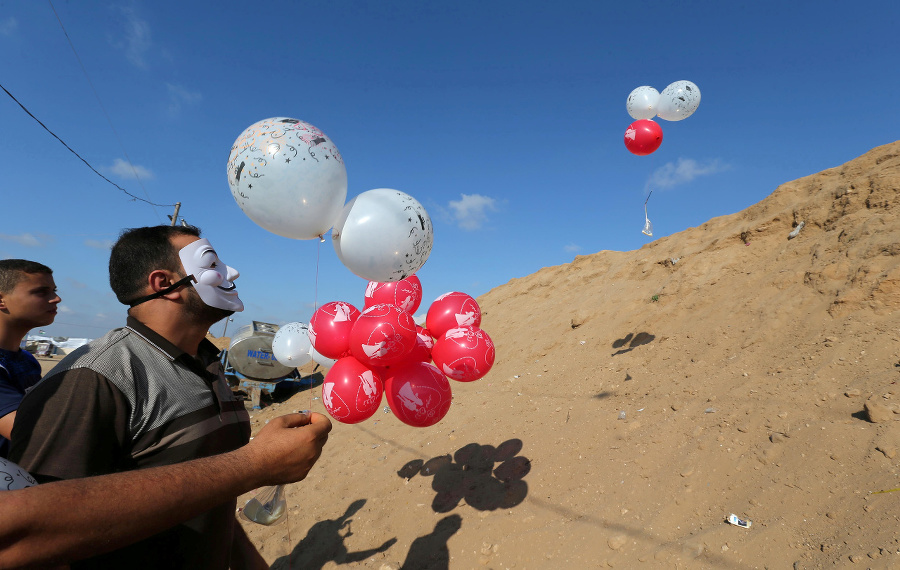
(641, 397)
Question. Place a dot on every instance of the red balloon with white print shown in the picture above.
(464, 354)
(418, 394)
(351, 391)
(452, 310)
(406, 294)
(329, 328)
(382, 335)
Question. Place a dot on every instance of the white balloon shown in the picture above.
(13, 477)
(323, 361)
(288, 177)
(642, 102)
(678, 101)
(291, 345)
(383, 235)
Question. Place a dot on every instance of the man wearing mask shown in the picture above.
(149, 394)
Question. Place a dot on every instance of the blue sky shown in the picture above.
(504, 119)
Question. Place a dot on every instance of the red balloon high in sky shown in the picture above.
(643, 137)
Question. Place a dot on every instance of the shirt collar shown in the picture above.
(207, 353)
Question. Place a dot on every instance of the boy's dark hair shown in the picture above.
(140, 251)
(12, 271)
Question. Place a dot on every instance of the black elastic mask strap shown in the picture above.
(183, 281)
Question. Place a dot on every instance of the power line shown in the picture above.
(100, 102)
(78, 155)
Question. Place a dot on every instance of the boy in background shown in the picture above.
(28, 299)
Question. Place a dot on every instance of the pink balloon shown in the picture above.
(424, 343)
(351, 391)
(452, 310)
(382, 335)
(418, 394)
(464, 354)
(329, 328)
(406, 294)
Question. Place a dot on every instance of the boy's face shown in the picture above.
(33, 300)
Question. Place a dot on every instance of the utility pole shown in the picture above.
(226, 326)
(174, 217)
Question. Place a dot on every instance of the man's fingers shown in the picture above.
(290, 420)
(320, 422)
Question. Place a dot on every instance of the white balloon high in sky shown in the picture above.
(383, 235)
(288, 177)
(678, 101)
(642, 102)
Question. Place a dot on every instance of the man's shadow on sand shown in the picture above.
(324, 542)
(430, 552)
(470, 475)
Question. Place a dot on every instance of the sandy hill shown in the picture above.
(641, 397)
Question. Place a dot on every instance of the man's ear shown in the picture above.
(2, 302)
(159, 279)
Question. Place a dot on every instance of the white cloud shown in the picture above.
(104, 244)
(65, 310)
(128, 171)
(179, 96)
(137, 39)
(572, 248)
(683, 171)
(8, 26)
(28, 240)
(470, 212)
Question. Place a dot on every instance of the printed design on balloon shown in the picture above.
(367, 397)
(485, 477)
(288, 177)
(13, 477)
(418, 394)
(341, 312)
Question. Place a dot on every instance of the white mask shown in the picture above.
(213, 280)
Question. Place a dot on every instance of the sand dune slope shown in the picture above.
(748, 366)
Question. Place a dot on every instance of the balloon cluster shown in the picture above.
(289, 178)
(676, 102)
(381, 351)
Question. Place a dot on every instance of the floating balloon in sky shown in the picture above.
(383, 235)
(288, 177)
(678, 101)
(643, 137)
(642, 102)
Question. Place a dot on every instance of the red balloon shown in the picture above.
(643, 137)
(382, 335)
(464, 354)
(351, 391)
(329, 328)
(406, 294)
(452, 310)
(418, 394)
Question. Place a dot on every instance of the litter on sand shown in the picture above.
(733, 519)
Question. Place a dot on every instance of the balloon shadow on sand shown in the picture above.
(430, 552)
(324, 542)
(471, 474)
(633, 341)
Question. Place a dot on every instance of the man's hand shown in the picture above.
(287, 447)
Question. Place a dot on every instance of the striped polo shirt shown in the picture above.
(131, 400)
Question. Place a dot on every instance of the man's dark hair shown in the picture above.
(138, 252)
(13, 270)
